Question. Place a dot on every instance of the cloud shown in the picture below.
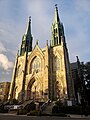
(74, 18)
(14, 18)
(2, 48)
(40, 12)
(10, 39)
(5, 63)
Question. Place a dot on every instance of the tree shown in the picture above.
(86, 81)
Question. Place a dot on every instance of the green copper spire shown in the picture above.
(56, 16)
(57, 29)
(27, 39)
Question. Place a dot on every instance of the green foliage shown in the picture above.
(30, 107)
(21, 112)
(34, 113)
(2, 110)
(59, 103)
(14, 102)
(68, 109)
(55, 109)
(57, 106)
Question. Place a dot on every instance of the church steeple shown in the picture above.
(57, 29)
(56, 16)
(27, 39)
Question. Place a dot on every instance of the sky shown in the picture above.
(14, 14)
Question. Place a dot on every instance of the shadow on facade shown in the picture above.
(33, 96)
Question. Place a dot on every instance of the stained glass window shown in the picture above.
(36, 65)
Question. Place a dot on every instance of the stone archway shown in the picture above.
(30, 84)
(34, 91)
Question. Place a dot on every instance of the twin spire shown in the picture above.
(56, 16)
(57, 33)
(57, 30)
(26, 45)
(28, 26)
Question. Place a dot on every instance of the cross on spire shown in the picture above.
(56, 6)
(30, 18)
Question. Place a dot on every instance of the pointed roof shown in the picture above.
(28, 30)
(56, 16)
(57, 30)
(27, 39)
(37, 51)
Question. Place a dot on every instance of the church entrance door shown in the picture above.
(33, 90)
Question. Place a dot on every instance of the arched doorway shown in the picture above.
(34, 90)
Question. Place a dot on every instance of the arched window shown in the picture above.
(19, 71)
(35, 65)
(56, 30)
(56, 63)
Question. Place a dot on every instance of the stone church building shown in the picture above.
(43, 74)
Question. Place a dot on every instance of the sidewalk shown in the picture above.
(79, 116)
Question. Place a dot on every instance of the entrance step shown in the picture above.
(48, 108)
(25, 103)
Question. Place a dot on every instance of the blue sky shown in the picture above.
(75, 15)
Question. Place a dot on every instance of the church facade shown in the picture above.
(42, 74)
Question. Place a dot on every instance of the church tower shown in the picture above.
(19, 71)
(61, 84)
(26, 40)
(57, 30)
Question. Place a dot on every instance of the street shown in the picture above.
(23, 117)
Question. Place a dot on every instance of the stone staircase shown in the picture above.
(48, 109)
(26, 103)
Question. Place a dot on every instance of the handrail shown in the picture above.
(44, 105)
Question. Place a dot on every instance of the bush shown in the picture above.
(30, 107)
(34, 113)
(2, 110)
(55, 109)
(69, 109)
(88, 110)
(21, 112)
(14, 102)
(59, 103)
